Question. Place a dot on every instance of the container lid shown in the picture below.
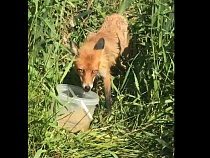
(64, 91)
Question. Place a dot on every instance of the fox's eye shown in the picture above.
(95, 72)
(80, 70)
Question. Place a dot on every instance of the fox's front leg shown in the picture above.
(107, 86)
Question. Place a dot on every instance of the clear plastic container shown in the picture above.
(74, 114)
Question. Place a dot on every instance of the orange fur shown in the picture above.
(114, 31)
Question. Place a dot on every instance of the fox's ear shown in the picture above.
(100, 44)
(74, 48)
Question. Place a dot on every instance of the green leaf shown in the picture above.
(39, 152)
(46, 2)
(36, 5)
(113, 154)
(113, 85)
(32, 70)
(136, 83)
(50, 74)
(127, 73)
(29, 14)
(51, 26)
(69, 2)
(125, 4)
(49, 64)
(126, 76)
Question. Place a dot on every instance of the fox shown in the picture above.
(99, 53)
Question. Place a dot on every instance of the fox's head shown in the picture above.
(88, 61)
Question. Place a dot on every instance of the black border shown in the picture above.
(14, 63)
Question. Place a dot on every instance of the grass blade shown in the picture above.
(143, 97)
(113, 86)
(136, 84)
(125, 4)
(126, 76)
(113, 154)
(39, 152)
(127, 73)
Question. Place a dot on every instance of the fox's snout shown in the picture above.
(86, 87)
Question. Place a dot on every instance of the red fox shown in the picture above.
(100, 51)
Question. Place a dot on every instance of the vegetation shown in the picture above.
(141, 123)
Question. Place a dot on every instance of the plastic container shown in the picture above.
(76, 114)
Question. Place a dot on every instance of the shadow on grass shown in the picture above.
(72, 78)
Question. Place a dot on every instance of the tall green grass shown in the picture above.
(141, 123)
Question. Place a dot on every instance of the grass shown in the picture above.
(141, 123)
